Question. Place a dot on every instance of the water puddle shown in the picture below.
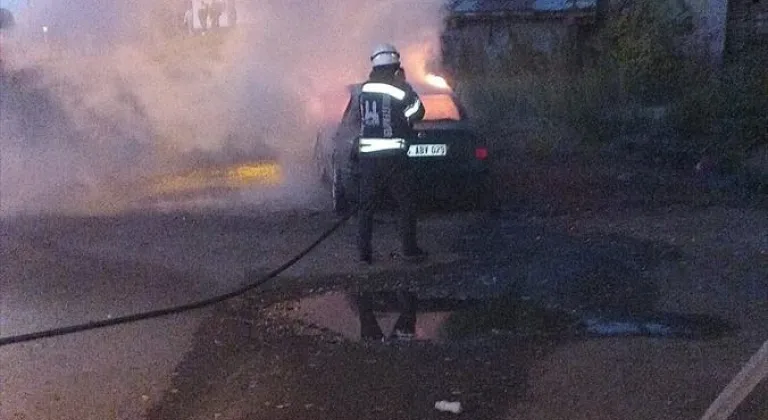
(402, 315)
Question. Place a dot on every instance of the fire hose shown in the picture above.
(92, 325)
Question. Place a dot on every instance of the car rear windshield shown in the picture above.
(439, 106)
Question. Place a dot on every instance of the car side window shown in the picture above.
(350, 121)
(346, 110)
(351, 114)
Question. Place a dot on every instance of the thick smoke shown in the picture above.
(111, 94)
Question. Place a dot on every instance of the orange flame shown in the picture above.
(436, 81)
(419, 60)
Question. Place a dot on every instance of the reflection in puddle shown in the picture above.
(402, 315)
(371, 316)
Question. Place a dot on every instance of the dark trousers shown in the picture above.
(369, 326)
(379, 176)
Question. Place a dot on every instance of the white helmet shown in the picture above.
(385, 54)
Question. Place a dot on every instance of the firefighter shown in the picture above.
(216, 10)
(388, 108)
(203, 13)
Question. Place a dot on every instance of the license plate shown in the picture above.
(419, 150)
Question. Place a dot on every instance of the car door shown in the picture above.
(347, 132)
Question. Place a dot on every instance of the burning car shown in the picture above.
(450, 159)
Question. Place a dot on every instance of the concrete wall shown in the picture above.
(737, 29)
(733, 28)
(709, 19)
(487, 46)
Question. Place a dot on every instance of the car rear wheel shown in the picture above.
(324, 178)
(340, 202)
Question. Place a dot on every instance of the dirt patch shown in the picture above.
(277, 368)
(589, 243)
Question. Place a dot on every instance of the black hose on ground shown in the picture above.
(16, 339)
(92, 325)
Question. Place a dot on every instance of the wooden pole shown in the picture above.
(740, 387)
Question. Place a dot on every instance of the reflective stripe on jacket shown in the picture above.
(375, 145)
(387, 109)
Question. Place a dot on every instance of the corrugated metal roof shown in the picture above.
(564, 4)
(481, 6)
(492, 6)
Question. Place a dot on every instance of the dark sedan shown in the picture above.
(451, 161)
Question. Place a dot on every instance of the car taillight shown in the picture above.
(481, 153)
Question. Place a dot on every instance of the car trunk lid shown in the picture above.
(450, 141)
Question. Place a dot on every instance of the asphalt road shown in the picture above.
(59, 270)
(47, 283)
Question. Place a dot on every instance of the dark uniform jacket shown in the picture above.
(388, 108)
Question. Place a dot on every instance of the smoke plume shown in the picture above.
(99, 96)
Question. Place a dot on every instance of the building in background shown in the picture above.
(479, 33)
(710, 21)
(481, 36)
(746, 36)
